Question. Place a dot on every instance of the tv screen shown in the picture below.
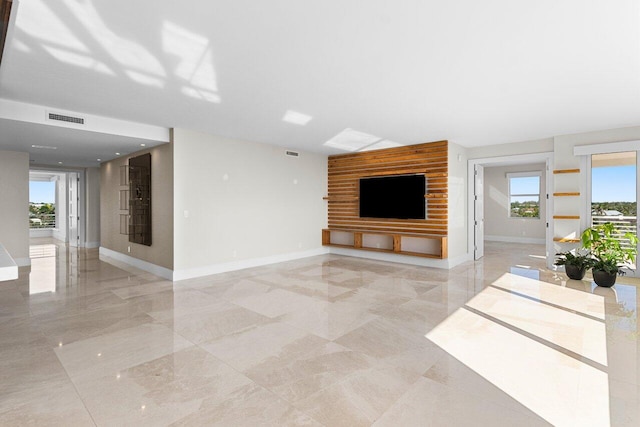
(398, 197)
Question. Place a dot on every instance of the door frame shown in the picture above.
(585, 153)
(73, 215)
(545, 157)
(81, 194)
(478, 221)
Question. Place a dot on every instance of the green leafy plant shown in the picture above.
(609, 247)
(574, 258)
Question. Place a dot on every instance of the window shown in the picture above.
(524, 195)
(613, 190)
(42, 204)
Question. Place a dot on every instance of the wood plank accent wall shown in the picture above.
(5, 15)
(345, 171)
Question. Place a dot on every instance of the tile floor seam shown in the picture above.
(494, 401)
(254, 382)
(578, 357)
(296, 403)
(297, 380)
(541, 301)
(75, 388)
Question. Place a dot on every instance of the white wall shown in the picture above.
(14, 197)
(526, 147)
(457, 204)
(563, 158)
(92, 207)
(498, 226)
(239, 204)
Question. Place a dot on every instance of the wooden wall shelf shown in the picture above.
(569, 194)
(435, 175)
(566, 217)
(557, 171)
(565, 240)
(436, 196)
(358, 239)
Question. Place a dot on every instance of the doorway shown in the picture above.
(524, 207)
(56, 204)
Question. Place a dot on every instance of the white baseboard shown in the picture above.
(163, 272)
(510, 239)
(453, 262)
(92, 245)
(60, 235)
(190, 273)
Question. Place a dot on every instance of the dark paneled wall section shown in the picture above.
(140, 199)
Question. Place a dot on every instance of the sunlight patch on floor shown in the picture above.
(551, 359)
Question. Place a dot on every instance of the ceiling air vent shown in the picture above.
(292, 153)
(68, 119)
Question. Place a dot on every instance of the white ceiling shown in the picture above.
(73, 147)
(409, 71)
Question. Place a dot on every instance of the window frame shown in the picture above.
(529, 174)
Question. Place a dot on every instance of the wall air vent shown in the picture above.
(64, 118)
(292, 153)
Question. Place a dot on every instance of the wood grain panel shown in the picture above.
(5, 16)
(345, 171)
(570, 194)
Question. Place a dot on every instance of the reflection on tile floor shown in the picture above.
(329, 340)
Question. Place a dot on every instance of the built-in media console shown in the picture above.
(393, 200)
(404, 244)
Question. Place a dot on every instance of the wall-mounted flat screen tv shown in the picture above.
(397, 197)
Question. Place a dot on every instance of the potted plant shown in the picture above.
(611, 250)
(575, 263)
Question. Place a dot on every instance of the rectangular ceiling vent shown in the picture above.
(292, 153)
(65, 118)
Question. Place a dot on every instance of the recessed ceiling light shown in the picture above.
(143, 145)
(99, 160)
(44, 147)
(352, 140)
(296, 118)
(117, 154)
(59, 163)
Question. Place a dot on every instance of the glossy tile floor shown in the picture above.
(328, 340)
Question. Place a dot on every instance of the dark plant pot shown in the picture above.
(574, 272)
(604, 279)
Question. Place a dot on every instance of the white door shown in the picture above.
(72, 224)
(478, 209)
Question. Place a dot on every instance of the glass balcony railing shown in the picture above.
(42, 221)
(624, 224)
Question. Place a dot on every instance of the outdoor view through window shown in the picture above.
(524, 195)
(42, 208)
(613, 190)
